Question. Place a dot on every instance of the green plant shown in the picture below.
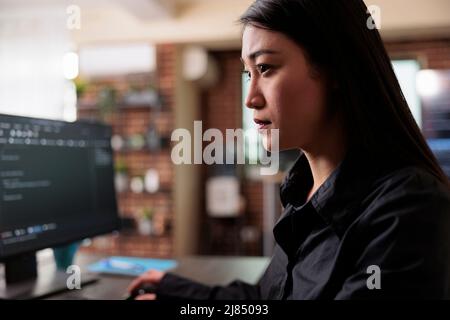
(147, 213)
(80, 86)
(134, 88)
(121, 166)
(107, 100)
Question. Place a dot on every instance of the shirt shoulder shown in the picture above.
(410, 193)
(402, 229)
(410, 181)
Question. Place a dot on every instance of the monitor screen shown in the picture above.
(56, 183)
(434, 86)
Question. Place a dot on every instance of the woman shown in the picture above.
(367, 207)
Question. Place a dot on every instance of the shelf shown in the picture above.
(87, 107)
(140, 107)
(83, 106)
(145, 150)
(139, 237)
(130, 194)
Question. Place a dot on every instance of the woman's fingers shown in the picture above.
(139, 281)
(134, 284)
(155, 276)
(149, 296)
(151, 276)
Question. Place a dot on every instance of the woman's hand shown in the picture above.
(150, 277)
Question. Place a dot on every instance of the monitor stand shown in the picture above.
(22, 279)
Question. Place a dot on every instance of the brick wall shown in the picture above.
(433, 53)
(222, 109)
(128, 121)
(222, 103)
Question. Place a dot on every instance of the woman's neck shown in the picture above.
(325, 157)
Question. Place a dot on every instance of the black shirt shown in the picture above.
(368, 232)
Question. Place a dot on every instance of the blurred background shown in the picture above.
(147, 67)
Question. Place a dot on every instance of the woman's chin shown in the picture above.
(270, 140)
(266, 145)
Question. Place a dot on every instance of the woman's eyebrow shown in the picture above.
(256, 54)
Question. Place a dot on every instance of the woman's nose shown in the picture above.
(254, 99)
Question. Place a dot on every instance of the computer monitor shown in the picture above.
(56, 187)
(435, 98)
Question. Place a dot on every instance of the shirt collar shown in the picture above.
(336, 199)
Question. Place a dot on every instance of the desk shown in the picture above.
(206, 269)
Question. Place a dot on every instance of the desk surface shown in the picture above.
(205, 269)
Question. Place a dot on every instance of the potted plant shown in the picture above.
(80, 87)
(145, 221)
(121, 176)
(107, 102)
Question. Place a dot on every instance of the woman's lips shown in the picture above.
(262, 124)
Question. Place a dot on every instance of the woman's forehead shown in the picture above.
(257, 40)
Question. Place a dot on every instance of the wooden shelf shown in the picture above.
(146, 150)
(133, 195)
(123, 106)
(83, 106)
(139, 237)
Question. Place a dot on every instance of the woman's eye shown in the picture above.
(262, 68)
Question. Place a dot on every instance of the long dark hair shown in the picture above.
(337, 40)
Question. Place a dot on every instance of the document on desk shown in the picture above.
(130, 266)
